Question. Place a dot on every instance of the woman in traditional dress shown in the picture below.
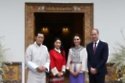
(77, 61)
(57, 63)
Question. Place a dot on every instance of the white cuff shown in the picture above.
(67, 67)
(63, 68)
(54, 71)
(32, 65)
(47, 66)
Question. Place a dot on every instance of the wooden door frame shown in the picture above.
(31, 8)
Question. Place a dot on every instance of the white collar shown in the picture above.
(37, 44)
(97, 42)
(58, 50)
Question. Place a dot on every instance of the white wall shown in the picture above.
(12, 28)
(108, 17)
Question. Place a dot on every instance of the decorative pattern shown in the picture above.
(31, 8)
(13, 74)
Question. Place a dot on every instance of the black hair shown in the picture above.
(78, 35)
(36, 34)
(56, 39)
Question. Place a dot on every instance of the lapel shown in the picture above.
(91, 48)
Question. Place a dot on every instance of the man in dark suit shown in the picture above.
(97, 52)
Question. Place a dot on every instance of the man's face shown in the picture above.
(39, 39)
(94, 35)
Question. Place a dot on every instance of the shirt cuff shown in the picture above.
(32, 65)
(63, 68)
(54, 71)
(47, 67)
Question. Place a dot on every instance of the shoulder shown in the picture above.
(43, 46)
(89, 44)
(104, 43)
(71, 48)
(30, 46)
(83, 49)
(52, 53)
(52, 50)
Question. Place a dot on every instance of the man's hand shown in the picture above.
(41, 69)
(93, 70)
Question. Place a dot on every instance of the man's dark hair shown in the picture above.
(36, 34)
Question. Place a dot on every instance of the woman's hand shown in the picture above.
(74, 73)
(60, 74)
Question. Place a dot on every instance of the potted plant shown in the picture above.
(119, 62)
(3, 67)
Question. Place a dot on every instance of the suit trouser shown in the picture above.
(98, 78)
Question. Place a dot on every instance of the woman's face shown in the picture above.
(77, 40)
(57, 44)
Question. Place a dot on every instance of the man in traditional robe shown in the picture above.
(37, 60)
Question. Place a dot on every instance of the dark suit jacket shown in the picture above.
(99, 59)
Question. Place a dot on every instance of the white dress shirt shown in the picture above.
(97, 42)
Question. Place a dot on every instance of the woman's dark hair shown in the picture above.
(61, 48)
(56, 39)
(78, 35)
